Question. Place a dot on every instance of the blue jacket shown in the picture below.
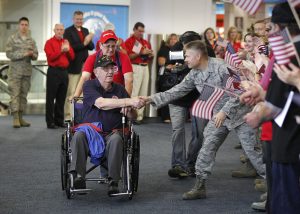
(95, 141)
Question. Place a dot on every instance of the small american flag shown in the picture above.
(250, 6)
(231, 57)
(236, 80)
(263, 49)
(282, 47)
(204, 105)
(220, 41)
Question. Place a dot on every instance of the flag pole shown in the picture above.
(290, 38)
(294, 13)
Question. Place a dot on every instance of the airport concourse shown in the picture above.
(135, 106)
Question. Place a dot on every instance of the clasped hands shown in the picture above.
(139, 102)
(135, 103)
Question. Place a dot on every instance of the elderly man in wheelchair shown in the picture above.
(104, 105)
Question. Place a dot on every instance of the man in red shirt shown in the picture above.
(108, 42)
(140, 54)
(59, 54)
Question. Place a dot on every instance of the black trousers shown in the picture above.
(56, 90)
(266, 146)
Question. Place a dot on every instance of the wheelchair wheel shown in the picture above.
(63, 162)
(69, 194)
(135, 162)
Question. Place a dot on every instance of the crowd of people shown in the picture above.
(115, 80)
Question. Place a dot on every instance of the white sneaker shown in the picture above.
(264, 196)
(261, 206)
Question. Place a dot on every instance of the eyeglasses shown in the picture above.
(109, 46)
(110, 69)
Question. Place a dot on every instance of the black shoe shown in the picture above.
(112, 188)
(79, 182)
(51, 126)
(61, 125)
(191, 172)
(177, 172)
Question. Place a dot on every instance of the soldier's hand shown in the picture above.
(29, 53)
(219, 119)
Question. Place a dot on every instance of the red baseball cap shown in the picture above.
(106, 35)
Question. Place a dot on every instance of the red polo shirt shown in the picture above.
(55, 57)
(129, 43)
(118, 76)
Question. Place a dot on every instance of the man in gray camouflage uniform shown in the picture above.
(20, 49)
(211, 71)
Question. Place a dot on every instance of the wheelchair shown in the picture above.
(131, 158)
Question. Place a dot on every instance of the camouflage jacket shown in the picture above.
(16, 49)
(212, 75)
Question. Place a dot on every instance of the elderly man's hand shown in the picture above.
(137, 102)
(289, 76)
(146, 99)
(126, 110)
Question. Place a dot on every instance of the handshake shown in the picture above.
(138, 102)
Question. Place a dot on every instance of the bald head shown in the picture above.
(59, 30)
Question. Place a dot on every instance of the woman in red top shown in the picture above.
(232, 37)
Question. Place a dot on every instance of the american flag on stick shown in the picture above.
(231, 56)
(250, 6)
(210, 95)
(204, 105)
(282, 47)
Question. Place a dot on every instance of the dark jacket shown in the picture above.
(81, 51)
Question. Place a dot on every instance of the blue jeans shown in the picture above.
(178, 116)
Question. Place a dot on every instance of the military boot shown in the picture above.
(245, 171)
(243, 158)
(261, 187)
(22, 121)
(16, 121)
(197, 192)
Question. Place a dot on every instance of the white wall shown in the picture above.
(172, 16)
(12, 10)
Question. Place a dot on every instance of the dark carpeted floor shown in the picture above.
(30, 176)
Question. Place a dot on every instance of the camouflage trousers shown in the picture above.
(18, 87)
(213, 139)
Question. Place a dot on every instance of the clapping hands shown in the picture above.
(88, 39)
(65, 46)
(289, 75)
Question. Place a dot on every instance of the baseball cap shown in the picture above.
(104, 61)
(106, 35)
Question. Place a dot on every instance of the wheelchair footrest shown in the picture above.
(121, 193)
(80, 190)
(100, 180)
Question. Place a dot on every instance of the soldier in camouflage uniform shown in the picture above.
(20, 49)
(211, 71)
